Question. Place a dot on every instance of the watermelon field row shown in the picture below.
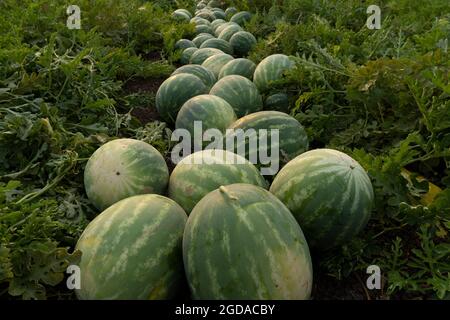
(338, 190)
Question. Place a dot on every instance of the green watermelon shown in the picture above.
(216, 62)
(199, 56)
(206, 14)
(175, 91)
(241, 243)
(180, 16)
(215, 4)
(201, 5)
(123, 168)
(212, 111)
(271, 69)
(203, 171)
(277, 101)
(241, 18)
(293, 139)
(216, 23)
(240, 93)
(199, 39)
(218, 44)
(229, 31)
(230, 12)
(223, 26)
(187, 12)
(204, 74)
(242, 67)
(200, 21)
(329, 194)
(218, 13)
(202, 28)
(133, 251)
(187, 54)
(184, 44)
(242, 42)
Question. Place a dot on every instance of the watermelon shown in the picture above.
(240, 93)
(231, 11)
(180, 16)
(329, 194)
(271, 69)
(242, 42)
(206, 14)
(293, 139)
(204, 74)
(187, 54)
(199, 39)
(200, 21)
(212, 111)
(123, 168)
(241, 18)
(204, 171)
(218, 44)
(277, 101)
(199, 56)
(202, 28)
(133, 251)
(186, 12)
(242, 243)
(223, 26)
(216, 23)
(229, 31)
(242, 67)
(218, 13)
(215, 4)
(201, 5)
(184, 44)
(216, 62)
(175, 91)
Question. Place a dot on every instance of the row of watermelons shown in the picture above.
(219, 228)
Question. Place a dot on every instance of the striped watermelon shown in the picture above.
(223, 26)
(203, 171)
(218, 13)
(184, 44)
(123, 168)
(293, 139)
(215, 4)
(229, 31)
(199, 39)
(241, 67)
(329, 194)
(187, 54)
(206, 14)
(231, 11)
(204, 74)
(240, 93)
(175, 91)
(133, 251)
(187, 12)
(180, 16)
(240, 242)
(241, 18)
(202, 28)
(200, 21)
(216, 23)
(212, 111)
(201, 5)
(199, 56)
(216, 62)
(218, 44)
(277, 101)
(271, 69)
(242, 42)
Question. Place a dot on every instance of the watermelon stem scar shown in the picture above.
(226, 193)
